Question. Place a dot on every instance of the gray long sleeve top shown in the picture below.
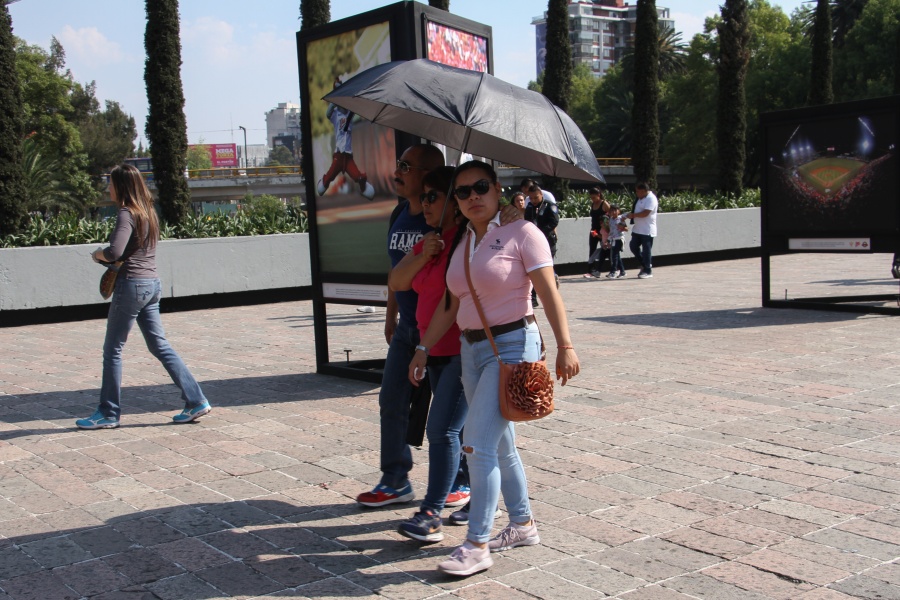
(140, 263)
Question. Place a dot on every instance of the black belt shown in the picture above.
(479, 335)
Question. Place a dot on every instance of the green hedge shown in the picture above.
(579, 205)
(261, 215)
(264, 215)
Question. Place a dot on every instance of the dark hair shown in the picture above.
(595, 191)
(527, 182)
(614, 207)
(476, 164)
(641, 185)
(535, 188)
(440, 178)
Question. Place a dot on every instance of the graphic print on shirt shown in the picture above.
(404, 240)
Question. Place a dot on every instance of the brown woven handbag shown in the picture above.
(108, 279)
(526, 388)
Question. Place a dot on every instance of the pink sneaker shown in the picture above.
(467, 560)
(515, 535)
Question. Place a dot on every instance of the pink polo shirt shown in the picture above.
(499, 267)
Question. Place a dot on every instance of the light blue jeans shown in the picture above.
(138, 300)
(489, 440)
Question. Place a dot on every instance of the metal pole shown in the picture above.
(244, 129)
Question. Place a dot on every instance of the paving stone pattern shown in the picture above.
(710, 448)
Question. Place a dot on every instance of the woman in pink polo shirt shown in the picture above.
(505, 262)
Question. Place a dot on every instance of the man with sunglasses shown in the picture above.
(407, 227)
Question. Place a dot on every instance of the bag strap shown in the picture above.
(487, 328)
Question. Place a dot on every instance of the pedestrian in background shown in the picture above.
(597, 236)
(136, 299)
(643, 231)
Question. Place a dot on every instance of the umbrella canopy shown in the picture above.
(473, 112)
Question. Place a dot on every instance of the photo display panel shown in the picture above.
(833, 174)
(353, 160)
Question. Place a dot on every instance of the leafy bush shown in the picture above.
(579, 205)
(263, 215)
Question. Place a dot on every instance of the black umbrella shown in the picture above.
(472, 112)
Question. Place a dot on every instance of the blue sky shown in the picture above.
(239, 57)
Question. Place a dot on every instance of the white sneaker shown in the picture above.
(644, 275)
(368, 192)
(515, 535)
(611, 275)
(365, 309)
(320, 188)
(467, 560)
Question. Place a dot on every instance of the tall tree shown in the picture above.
(558, 71)
(52, 104)
(166, 124)
(820, 90)
(312, 14)
(731, 114)
(865, 65)
(645, 112)
(441, 4)
(12, 179)
(557, 85)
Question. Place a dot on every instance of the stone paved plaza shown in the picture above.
(709, 449)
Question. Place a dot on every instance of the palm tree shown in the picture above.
(45, 182)
(844, 14)
(672, 55)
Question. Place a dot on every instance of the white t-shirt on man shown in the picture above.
(646, 225)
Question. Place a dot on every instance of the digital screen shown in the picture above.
(456, 48)
(835, 174)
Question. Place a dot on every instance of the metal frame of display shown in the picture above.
(884, 238)
(406, 22)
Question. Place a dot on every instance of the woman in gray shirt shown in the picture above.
(136, 298)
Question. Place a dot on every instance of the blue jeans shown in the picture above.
(393, 402)
(138, 300)
(615, 257)
(489, 440)
(445, 421)
(641, 246)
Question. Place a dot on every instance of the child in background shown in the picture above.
(617, 227)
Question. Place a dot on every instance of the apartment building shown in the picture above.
(599, 31)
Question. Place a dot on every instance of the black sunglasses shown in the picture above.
(480, 187)
(430, 198)
(404, 167)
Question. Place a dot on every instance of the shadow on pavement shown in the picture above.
(204, 551)
(728, 319)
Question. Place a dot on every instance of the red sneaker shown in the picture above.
(458, 496)
(383, 495)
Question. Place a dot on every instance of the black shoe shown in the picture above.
(895, 270)
(534, 303)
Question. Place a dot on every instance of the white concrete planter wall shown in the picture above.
(57, 276)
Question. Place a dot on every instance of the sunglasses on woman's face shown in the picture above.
(480, 187)
(430, 197)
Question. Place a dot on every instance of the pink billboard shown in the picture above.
(221, 155)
